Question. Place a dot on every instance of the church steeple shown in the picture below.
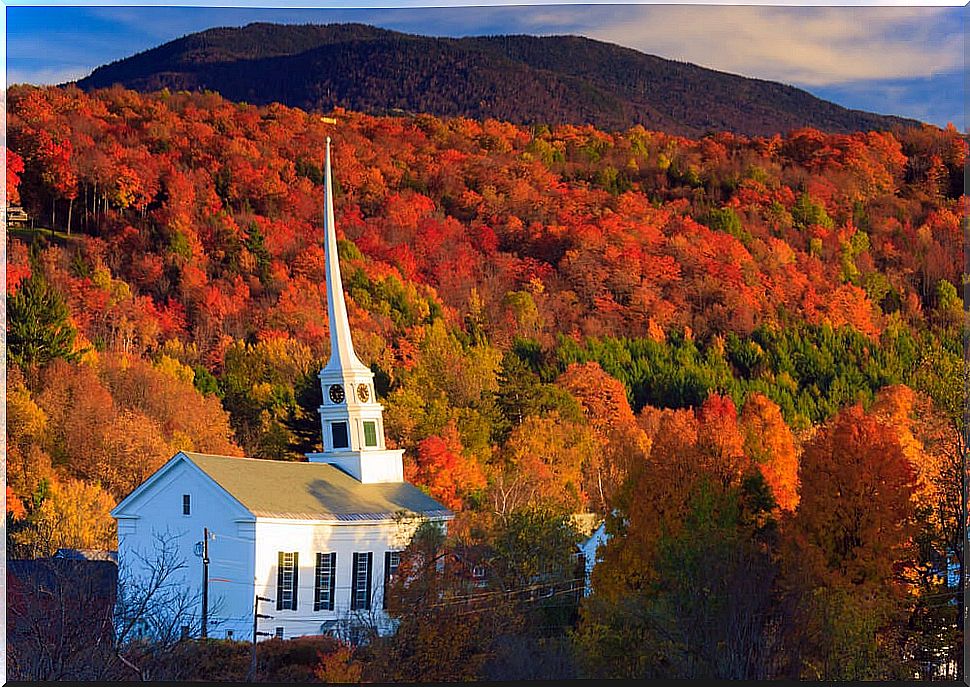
(351, 419)
(342, 355)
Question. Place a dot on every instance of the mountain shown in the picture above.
(523, 79)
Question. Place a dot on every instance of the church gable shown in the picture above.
(166, 490)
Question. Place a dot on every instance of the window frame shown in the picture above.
(282, 569)
(372, 425)
(186, 504)
(362, 563)
(333, 435)
(392, 559)
(325, 585)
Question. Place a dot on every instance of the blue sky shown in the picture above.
(893, 60)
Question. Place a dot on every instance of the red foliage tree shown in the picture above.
(441, 466)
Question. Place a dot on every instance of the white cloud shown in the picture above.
(47, 76)
(808, 46)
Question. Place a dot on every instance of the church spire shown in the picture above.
(342, 355)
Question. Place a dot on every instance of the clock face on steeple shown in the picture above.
(363, 393)
(337, 393)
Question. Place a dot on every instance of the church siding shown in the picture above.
(308, 539)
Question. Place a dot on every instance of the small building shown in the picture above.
(16, 216)
(319, 540)
(588, 549)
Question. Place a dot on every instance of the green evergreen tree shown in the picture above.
(38, 326)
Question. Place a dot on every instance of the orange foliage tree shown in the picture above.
(623, 443)
(769, 443)
(850, 547)
(854, 520)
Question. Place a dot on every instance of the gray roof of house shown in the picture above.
(312, 491)
(87, 555)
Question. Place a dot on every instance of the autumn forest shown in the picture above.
(743, 352)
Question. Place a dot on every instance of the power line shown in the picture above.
(452, 598)
(226, 561)
(216, 536)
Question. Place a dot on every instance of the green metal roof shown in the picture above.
(312, 491)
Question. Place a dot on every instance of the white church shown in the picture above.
(317, 540)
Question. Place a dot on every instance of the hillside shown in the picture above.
(724, 346)
(522, 79)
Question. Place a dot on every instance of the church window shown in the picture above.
(370, 433)
(392, 559)
(360, 592)
(287, 580)
(323, 587)
(339, 431)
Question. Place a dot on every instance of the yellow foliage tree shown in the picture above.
(27, 426)
(542, 465)
(73, 514)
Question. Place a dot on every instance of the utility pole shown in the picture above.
(964, 524)
(964, 579)
(251, 677)
(205, 583)
(964, 444)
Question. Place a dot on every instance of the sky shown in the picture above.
(889, 59)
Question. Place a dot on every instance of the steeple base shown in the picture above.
(367, 467)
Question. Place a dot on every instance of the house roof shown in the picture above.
(312, 491)
(87, 555)
(99, 578)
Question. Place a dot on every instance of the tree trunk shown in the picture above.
(70, 212)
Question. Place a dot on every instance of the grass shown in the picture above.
(29, 235)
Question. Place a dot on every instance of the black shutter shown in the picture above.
(370, 560)
(333, 578)
(387, 576)
(296, 581)
(316, 582)
(279, 583)
(353, 584)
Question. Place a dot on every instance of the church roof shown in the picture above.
(312, 491)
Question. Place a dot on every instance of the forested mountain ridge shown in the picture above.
(525, 79)
(728, 341)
